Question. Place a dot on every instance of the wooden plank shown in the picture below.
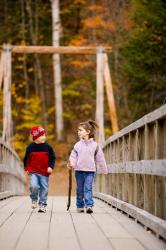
(146, 153)
(159, 113)
(105, 229)
(132, 137)
(124, 188)
(156, 141)
(12, 230)
(136, 145)
(161, 139)
(113, 185)
(5, 194)
(110, 227)
(156, 224)
(129, 244)
(7, 201)
(159, 196)
(89, 233)
(149, 193)
(146, 238)
(151, 141)
(140, 191)
(59, 50)
(7, 147)
(163, 190)
(103, 183)
(9, 209)
(135, 201)
(151, 167)
(35, 234)
(118, 186)
(15, 172)
(164, 139)
(12, 174)
(62, 232)
(130, 188)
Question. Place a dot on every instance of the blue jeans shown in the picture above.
(84, 195)
(39, 188)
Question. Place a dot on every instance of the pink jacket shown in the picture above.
(86, 155)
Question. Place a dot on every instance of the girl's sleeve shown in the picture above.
(100, 161)
(73, 158)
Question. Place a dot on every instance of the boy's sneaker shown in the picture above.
(42, 209)
(80, 210)
(34, 204)
(89, 210)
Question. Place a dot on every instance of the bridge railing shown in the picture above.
(136, 159)
(12, 176)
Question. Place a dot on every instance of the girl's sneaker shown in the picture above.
(42, 209)
(34, 204)
(89, 210)
(80, 210)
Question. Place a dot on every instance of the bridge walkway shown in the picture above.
(24, 228)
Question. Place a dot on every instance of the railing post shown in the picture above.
(7, 116)
(146, 155)
(100, 95)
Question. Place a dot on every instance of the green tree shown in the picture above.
(144, 57)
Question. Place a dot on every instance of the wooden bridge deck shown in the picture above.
(21, 228)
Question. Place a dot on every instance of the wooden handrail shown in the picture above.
(12, 175)
(141, 140)
(149, 118)
(136, 160)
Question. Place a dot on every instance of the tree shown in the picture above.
(57, 70)
(144, 57)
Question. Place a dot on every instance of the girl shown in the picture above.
(83, 158)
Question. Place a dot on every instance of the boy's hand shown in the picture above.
(49, 170)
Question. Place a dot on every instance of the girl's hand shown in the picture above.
(27, 172)
(69, 166)
(49, 170)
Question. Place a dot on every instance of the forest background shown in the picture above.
(136, 31)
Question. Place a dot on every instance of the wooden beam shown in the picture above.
(56, 50)
(100, 95)
(5, 194)
(7, 115)
(110, 95)
(1, 70)
(157, 114)
(149, 167)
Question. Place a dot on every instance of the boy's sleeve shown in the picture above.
(51, 157)
(26, 157)
(100, 161)
(73, 158)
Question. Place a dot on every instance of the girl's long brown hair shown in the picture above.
(91, 126)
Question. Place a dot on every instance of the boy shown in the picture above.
(39, 161)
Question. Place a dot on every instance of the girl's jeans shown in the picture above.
(84, 181)
(39, 188)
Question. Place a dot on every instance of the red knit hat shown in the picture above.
(36, 132)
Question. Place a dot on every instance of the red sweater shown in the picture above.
(38, 157)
